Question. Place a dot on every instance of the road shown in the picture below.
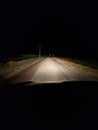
(49, 70)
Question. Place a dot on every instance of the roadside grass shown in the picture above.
(86, 67)
(25, 57)
(89, 63)
(18, 58)
(12, 64)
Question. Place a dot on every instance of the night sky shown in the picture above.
(63, 29)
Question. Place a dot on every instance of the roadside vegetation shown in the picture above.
(89, 63)
(88, 67)
(12, 64)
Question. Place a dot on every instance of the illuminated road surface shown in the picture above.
(48, 70)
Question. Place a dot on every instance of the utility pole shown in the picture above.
(39, 46)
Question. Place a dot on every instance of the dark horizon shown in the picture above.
(63, 31)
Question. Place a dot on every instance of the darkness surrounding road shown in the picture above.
(64, 29)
